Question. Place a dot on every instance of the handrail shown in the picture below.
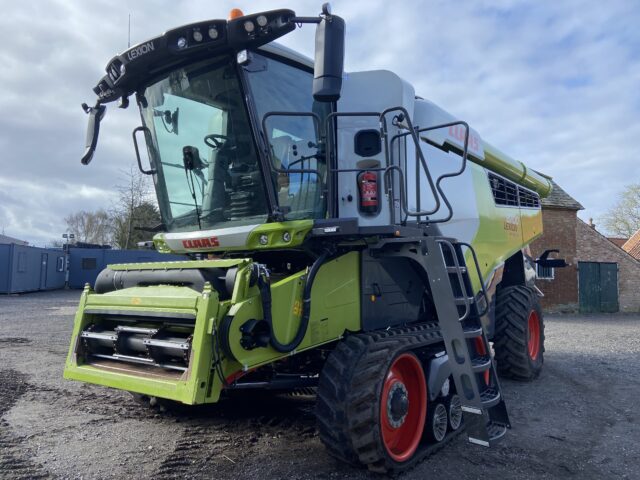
(477, 264)
(330, 140)
(462, 168)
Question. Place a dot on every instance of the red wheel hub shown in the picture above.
(534, 335)
(403, 407)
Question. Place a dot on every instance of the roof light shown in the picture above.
(261, 20)
(197, 35)
(182, 42)
(213, 33)
(249, 26)
(235, 13)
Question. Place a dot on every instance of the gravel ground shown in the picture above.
(577, 421)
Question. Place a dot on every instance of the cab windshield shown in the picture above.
(207, 169)
(199, 109)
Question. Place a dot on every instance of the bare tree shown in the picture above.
(90, 227)
(623, 218)
(135, 208)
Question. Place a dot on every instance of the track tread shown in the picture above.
(350, 384)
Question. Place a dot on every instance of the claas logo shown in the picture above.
(201, 243)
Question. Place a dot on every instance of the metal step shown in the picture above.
(496, 431)
(480, 363)
(490, 397)
(472, 332)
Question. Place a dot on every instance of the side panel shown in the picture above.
(500, 233)
(335, 308)
(392, 292)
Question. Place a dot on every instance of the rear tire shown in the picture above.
(519, 334)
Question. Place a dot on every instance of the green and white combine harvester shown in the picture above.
(345, 235)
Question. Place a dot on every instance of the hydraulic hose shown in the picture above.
(265, 294)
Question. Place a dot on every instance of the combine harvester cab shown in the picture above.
(346, 236)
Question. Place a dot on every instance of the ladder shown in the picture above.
(459, 315)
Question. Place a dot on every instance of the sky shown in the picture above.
(553, 84)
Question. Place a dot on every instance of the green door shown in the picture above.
(609, 287)
(598, 287)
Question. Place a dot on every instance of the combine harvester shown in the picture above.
(346, 235)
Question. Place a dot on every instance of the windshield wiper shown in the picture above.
(191, 160)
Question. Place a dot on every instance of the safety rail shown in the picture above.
(462, 168)
(328, 140)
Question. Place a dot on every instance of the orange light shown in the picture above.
(235, 13)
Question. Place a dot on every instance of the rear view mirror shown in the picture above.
(329, 57)
(93, 129)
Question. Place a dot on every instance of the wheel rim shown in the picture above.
(482, 351)
(534, 335)
(439, 422)
(403, 407)
(455, 412)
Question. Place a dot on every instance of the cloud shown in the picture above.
(554, 84)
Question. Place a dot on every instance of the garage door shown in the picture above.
(598, 287)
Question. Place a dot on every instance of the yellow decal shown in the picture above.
(297, 308)
(136, 301)
(511, 225)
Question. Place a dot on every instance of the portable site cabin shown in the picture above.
(29, 269)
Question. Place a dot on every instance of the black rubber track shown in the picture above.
(349, 390)
(513, 305)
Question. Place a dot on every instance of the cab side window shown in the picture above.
(298, 172)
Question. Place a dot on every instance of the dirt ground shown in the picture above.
(579, 420)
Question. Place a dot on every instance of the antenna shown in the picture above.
(129, 37)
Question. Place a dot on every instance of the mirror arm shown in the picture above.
(300, 20)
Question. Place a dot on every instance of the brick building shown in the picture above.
(600, 276)
(559, 224)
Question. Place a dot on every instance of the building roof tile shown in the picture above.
(632, 246)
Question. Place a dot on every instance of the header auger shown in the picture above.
(345, 235)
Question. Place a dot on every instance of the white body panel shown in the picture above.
(373, 91)
(376, 91)
(183, 242)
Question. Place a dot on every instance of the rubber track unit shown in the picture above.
(513, 305)
(349, 393)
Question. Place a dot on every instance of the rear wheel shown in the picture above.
(519, 335)
(372, 402)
